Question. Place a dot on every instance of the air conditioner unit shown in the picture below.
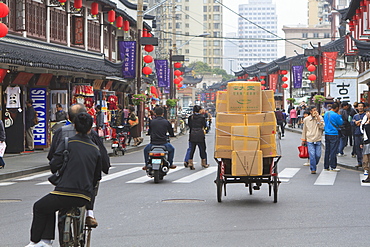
(350, 59)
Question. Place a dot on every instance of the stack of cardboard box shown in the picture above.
(245, 127)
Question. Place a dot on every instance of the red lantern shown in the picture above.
(311, 59)
(148, 59)
(177, 65)
(77, 4)
(119, 22)
(263, 87)
(62, 2)
(177, 73)
(126, 25)
(312, 77)
(4, 10)
(3, 30)
(149, 48)
(145, 33)
(94, 9)
(179, 85)
(111, 16)
(284, 85)
(284, 78)
(147, 70)
(284, 72)
(180, 78)
(263, 82)
(149, 35)
(176, 81)
(311, 68)
(262, 77)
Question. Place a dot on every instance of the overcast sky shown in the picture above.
(289, 12)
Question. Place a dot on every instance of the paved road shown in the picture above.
(326, 209)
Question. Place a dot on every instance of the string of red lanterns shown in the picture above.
(284, 85)
(311, 67)
(4, 11)
(94, 9)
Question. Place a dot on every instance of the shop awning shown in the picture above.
(22, 78)
(44, 79)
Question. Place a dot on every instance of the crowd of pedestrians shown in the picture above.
(338, 125)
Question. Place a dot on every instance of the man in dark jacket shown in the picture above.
(280, 120)
(69, 131)
(345, 129)
(159, 127)
(60, 114)
(197, 124)
(30, 122)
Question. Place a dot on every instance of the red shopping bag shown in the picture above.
(303, 152)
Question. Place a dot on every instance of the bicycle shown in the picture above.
(73, 232)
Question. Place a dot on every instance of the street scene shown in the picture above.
(184, 123)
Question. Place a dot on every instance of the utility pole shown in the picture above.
(173, 51)
(140, 16)
(319, 74)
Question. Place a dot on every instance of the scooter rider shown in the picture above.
(159, 127)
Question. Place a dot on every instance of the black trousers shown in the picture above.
(202, 150)
(43, 223)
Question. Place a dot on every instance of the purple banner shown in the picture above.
(161, 67)
(128, 56)
(297, 76)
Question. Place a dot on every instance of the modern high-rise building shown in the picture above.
(257, 17)
(231, 48)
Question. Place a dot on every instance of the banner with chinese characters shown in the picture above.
(273, 79)
(162, 69)
(344, 89)
(128, 56)
(297, 76)
(329, 59)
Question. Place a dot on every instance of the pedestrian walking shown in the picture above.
(356, 122)
(333, 121)
(285, 116)
(353, 112)
(2, 144)
(135, 128)
(197, 125)
(60, 114)
(280, 120)
(30, 123)
(119, 121)
(365, 145)
(293, 116)
(76, 187)
(345, 129)
(313, 126)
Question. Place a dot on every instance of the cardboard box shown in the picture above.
(223, 153)
(246, 131)
(223, 142)
(221, 101)
(221, 107)
(268, 101)
(244, 143)
(266, 121)
(244, 97)
(246, 163)
(269, 146)
(225, 121)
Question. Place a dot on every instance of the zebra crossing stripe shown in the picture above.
(34, 176)
(120, 174)
(145, 178)
(326, 178)
(196, 176)
(288, 172)
(6, 183)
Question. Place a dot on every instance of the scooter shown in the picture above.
(119, 140)
(158, 164)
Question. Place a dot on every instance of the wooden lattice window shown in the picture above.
(58, 26)
(35, 19)
(93, 36)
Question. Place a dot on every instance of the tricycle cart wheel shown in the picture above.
(250, 188)
(219, 189)
(275, 187)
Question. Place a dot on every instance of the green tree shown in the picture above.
(203, 68)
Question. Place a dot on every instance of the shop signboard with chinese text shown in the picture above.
(344, 89)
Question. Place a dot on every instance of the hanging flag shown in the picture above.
(128, 56)
(273, 78)
(161, 67)
(297, 76)
(329, 60)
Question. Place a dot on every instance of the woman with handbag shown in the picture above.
(81, 173)
(312, 132)
(197, 124)
(133, 120)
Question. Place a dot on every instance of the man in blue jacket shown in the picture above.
(356, 122)
(333, 121)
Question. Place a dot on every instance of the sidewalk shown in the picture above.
(30, 162)
(345, 161)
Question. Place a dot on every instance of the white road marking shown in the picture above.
(288, 172)
(196, 176)
(34, 176)
(145, 178)
(363, 177)
(120, 174)
(6, 183)
(142, 163)
(326, 178)
(44, 183)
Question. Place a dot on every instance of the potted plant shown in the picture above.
(171, 102)
(138, 98)
(290, 100)
(318, 99)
